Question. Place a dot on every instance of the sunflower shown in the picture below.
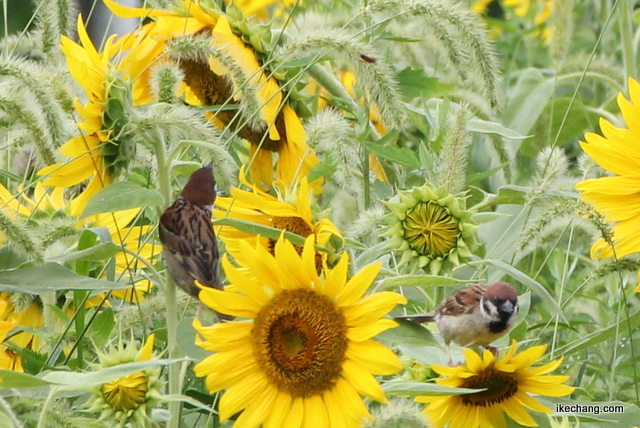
(274, 128)
(429, 227)
(113, 81)
(304, 356)
(616, 197)
(49, 207)
(290, 211)
(129, 399)
(507, 381)
(10, 316)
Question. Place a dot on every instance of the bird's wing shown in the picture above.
(463, 302)
(191, 239)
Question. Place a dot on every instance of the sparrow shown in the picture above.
(189, 246)
(474, 316)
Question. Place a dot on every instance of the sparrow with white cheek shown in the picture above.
(474, 316)
(189, 246)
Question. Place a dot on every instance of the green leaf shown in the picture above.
(121, 196)
(266, 231)
(487, 127)
(510, 194)
(422, 281)
(400, 155)
(71, 381)
(413, 389)
(407, 333)
(415, 84)
(97, 252)
(487, 216)
(186, 339)
(49, 277)
(101, 327)
(386, 35)
(12, 379)
(527, 100)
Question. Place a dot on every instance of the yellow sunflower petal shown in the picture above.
(315, 412)
(363, 381)
(296, 414)
(242, 394)
(367, 331)
(370, 308)
(358, 284)
(374, 357)
(228, 303)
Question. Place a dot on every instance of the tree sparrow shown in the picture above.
(189, 246)
(474, 316)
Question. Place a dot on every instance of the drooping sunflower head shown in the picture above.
(129, 399)
(304, 349)
(506, 383)
(429, 228)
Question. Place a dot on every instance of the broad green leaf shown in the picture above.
(487, 216)
(422, 281)
(510, 194)
(9, 259)
(400, 155)
(13, 379)
(386, 35)
(49, 277)
(413, 389)
(186, 338)
(416, 84)
(407, 333)
(525, 280)
(101, 327)
(121, 196)
(487, 127)
(97, 252)
(527, 100)
(73, 380)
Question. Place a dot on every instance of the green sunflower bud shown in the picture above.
(429, 229)
(129, 399)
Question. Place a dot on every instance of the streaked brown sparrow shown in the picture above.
(189, 246)
(474, 316)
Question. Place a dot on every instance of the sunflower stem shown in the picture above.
(164, 184)
(42, 420)
(626, 34)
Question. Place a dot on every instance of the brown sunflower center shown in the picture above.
(126, 393)
(299, 340)
(212, 89)
(431, 230)
(299, 227)
(498, 386)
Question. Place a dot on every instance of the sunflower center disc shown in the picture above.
(300, 339)
(299, 227)
(499, 387)
(431, 230)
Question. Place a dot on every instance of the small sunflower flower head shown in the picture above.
(129, 399)
(300, 353)
(429, 228)
(506, 383)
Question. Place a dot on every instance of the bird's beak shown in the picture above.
(507, 307)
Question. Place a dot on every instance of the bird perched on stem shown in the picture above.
(474, 316)
(189, 246)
